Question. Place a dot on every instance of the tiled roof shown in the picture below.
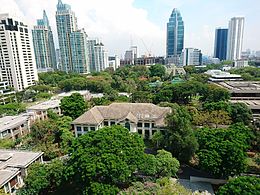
(120, 111)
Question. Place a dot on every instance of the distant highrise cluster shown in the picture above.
(229, 42)
(77, 53)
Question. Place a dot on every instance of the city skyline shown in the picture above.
(140, 21)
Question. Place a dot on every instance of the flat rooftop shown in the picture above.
(241, 86)
(252, 104)
(45, 105)
(66, 94)
(9, 122)
(222, 74)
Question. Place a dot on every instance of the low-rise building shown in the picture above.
(13, 127)
(142, 118)
(247, 92)
(40, 111)
(220, 76)
(13, 168)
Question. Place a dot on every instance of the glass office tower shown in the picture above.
(175, 35)
(221, 37)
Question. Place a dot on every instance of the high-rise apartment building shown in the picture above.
(44, 45)
(220, 49)
(235, 38)
(191, 56)
(79, 51)
(98, 56)
(72, 41)
(175, 36)
(17, 60)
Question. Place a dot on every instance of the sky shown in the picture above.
(122, 23)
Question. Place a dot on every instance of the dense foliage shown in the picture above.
(241, 185)
(52, 136)
(73, 106)
(222, 151)
(108, 156)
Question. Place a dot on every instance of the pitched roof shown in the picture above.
(121, 111)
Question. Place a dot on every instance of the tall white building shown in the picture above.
(98, 56)
(17, 60)
(235, 38)
(191, 56)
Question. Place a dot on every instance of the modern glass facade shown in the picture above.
(43, 44)
(175, 34)
(221, 38)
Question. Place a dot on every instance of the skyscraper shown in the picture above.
(17, 60)
(235, 38)
(220, 49)
(72, 41)
(43, 44)
(175, 35)
(66, 22)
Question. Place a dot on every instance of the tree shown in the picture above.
(73, 106)
(241, 185)
(219, 117)
(163, 186)
(141, 97)
(44, 178)
(166, 165)
(7, 143)
(157, 70)
(213, 93)
(160, 165)
(241, 113)
(157, 139)
(179, 136)
(222, 151)
(108, 156)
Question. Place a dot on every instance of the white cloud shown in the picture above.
(116, 22)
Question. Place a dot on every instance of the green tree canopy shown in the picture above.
(241, 185)
(73, 106)
(179, 136)
(222, 151)
(108, 156)
(157, 70)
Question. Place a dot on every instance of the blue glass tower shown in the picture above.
(175, 34)
(221, 39)
(72, 41)
(44, 45)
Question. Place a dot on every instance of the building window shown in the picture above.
(140, 131)
(85, 129)
(154, 131)
(127, 125)
(139, 124)
(105, 123)
(152, 125)
(92, 128)
(112, 123)
(147, 125)
(146, 134)
(78, 128)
